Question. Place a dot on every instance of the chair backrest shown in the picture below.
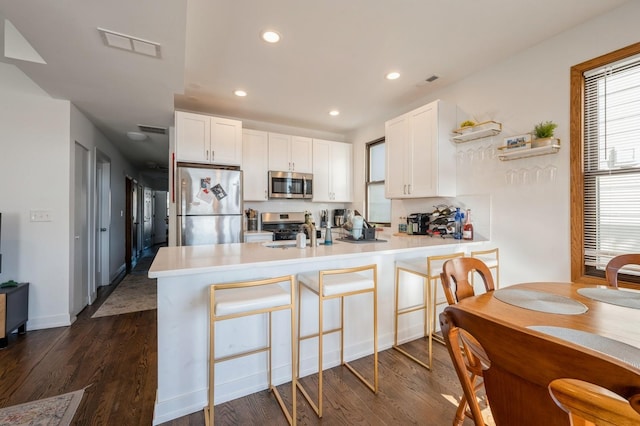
(455, 278)
(469, 359)
(589, 404)
(618, 262)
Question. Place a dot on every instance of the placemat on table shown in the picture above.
(613, 348)
(540, 301)
(629, 299)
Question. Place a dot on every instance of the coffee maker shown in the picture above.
(339, 217)
(419, 223)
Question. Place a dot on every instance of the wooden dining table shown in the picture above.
(526, 353)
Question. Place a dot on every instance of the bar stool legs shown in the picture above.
(240, 299)
(331, 284)
(428, 269)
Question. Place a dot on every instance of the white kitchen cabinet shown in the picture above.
(206, 139)
(255, 165)
(421, 160)
(332, 171)
(290, 153)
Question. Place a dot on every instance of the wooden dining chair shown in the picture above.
(455, 278)
(617, 263)
(469, 360)
(589, 405)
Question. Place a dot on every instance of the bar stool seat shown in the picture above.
(337, 284)
(330, 284)
(247, 298)
(491, 258)
(428, 268)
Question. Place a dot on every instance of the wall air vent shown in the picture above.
(152, 129)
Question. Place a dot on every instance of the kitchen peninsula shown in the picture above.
(185, 273)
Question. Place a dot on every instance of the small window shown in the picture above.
(378, 207)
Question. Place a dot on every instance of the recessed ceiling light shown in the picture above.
(334, 112)
(136, 136)
(270, 36)
(392, 75)
(240, 93)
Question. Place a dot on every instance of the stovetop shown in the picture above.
(284, 225)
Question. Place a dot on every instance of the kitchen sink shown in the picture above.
(285, 244)
(280, 244)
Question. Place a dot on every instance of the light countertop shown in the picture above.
(187, 260)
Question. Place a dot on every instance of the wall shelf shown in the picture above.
(479, 131)
(507, 155)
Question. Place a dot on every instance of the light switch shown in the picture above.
(41, 216)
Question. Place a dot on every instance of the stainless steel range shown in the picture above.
(284, 226)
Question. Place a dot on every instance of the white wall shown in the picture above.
(35, 174)
(87, 135)
(37, 138)
(529, 222)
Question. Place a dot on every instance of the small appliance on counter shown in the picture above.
(339, 217)
(418, 223)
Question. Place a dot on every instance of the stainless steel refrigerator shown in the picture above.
(209, 204)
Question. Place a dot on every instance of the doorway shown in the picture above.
(103, 221)
(131, 224)
(80, 291)
(160, 217)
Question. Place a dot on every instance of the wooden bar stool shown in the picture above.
(428, 269)
(245, 298)
(491, 258)
(331, 284)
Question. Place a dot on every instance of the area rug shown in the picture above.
(134, 293)
(57, 410)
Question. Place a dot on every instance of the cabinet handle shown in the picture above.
(206, 151)
(404, 189)
(293, 166)
(265, 195)
(212, 154)
(409, 186)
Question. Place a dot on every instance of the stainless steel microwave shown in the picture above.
(290, 185)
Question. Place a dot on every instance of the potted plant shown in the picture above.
(467, 126)
(543, 133)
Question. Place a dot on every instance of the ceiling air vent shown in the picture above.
(152, 129)
(432, 79)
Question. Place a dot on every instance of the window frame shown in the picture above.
(367, 172)
(576, 146)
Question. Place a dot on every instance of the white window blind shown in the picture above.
(612, 163)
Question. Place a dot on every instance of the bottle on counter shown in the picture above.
(328, 240)
(457, 233)
(467, 228)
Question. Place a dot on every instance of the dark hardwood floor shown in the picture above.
(116, 357)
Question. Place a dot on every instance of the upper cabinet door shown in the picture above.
(205, 139)
(420, 156)
(226, 141)
(279, 152)
(342, 172)
(255, 149)
(332, 171)
(301, 154)
(396, 140)
(193, 137)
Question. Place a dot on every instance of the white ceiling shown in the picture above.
(333, 54)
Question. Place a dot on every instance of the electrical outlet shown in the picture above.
(41, 216)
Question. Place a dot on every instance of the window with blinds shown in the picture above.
(611, 162)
